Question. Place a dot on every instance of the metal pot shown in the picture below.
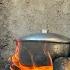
(38, 44)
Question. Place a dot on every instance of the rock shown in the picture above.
(62, 63)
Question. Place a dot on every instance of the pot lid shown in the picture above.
(49, 37)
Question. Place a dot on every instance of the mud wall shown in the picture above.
(22, 17)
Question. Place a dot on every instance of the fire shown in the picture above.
(15, 61)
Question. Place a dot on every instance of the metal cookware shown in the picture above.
(36, 45)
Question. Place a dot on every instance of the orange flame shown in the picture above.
(16, 62)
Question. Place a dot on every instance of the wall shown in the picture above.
(22, 17)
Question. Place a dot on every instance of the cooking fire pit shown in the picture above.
(38, 51)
